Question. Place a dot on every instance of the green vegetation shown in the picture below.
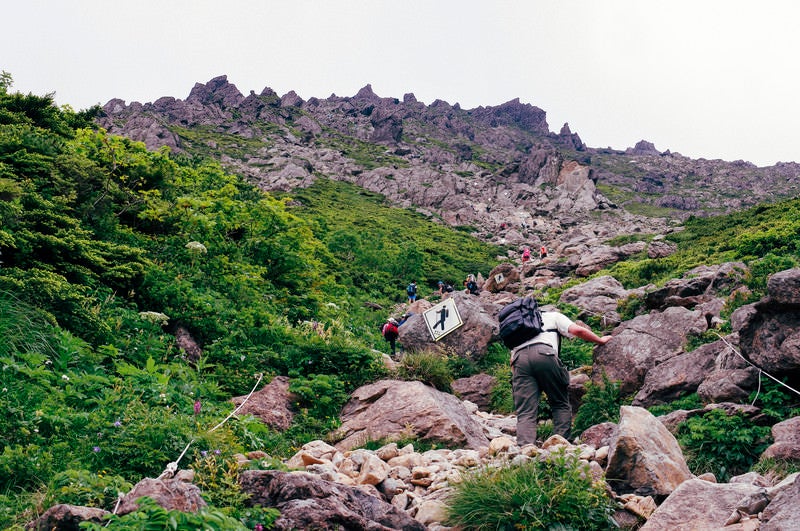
(109, 250)
(725, 445)
(557, 492)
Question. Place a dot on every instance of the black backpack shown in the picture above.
(520, 321)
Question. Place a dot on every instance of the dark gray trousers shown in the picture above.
(536, 369)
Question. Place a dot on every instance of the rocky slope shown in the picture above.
(499, 170)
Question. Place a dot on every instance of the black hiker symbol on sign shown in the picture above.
(442, 318)
(443, 314)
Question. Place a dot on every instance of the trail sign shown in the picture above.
(442, 318)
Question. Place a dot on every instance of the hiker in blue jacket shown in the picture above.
(411, 291)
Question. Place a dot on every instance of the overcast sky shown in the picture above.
(705, 78)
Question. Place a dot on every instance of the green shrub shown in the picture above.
(151, 517)
(501, 399)
(725, 445)
(556, 492)
(688, 402)
(428, 367)
(322, 395)
(601, 403)
(81, 487)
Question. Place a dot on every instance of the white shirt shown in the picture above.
(554, 323)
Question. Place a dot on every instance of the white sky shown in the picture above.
(705, 78)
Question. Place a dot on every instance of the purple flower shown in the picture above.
(117, 423)
(258, 527)
(217, 452)
(96, 449)
(204, 453)
(197, 406)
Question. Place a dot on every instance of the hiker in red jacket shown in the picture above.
(390, 333)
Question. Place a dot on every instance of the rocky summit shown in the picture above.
(497, 171)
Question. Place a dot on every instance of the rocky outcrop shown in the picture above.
(642, 343)
(64, 517)
(471, 340)
(392, 410)
(272, 404)
(497, 169)
(786, 437)
(308, 502)
(769, 330)
(644, 457)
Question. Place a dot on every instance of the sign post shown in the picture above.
(442, 319)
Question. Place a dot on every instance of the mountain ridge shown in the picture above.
(497, 170)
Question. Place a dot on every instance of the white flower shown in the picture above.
(154, 317)
(65, 377)
(196, 248)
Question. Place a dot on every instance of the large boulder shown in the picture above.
(642, 343)
(678, 376)
(306, 501)
(769, 330)
(783, 512)
(168, 493)
(645, 457)
(272, 404)
(602, 256)
(471, 340)
(477, 389)
(697, 285)
(64, 517)
(597, 297)
(786, 435)
(502, 277)
(393, 410)
(700, 505)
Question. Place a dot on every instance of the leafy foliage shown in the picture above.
(726, 445)
(552, 493)
(601, 403)
(429, 367)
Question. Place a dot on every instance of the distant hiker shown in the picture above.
(440, 284)
(471, 285)
(543, 252)
(390, 333)
(526, 255)
(536, 368)
(411, 290)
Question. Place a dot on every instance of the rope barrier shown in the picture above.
(760, 370)
(172, 467)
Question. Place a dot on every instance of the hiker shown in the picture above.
(440, 284)
(471, 285)
(390, 333)
(543, 252)
(411, 290)
(536, 368)
(526, 255)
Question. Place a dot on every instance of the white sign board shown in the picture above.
(442, 319)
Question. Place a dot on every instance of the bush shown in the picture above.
(556, 492)
(428, 367)
(81, 487)
(725, 445)
(601, 403)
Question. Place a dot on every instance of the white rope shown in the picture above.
(173, 466)
(760, 370)
(260, 377)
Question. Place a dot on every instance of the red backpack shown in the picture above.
(390, 329)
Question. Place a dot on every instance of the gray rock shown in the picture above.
(308, 502)
(392, 409)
